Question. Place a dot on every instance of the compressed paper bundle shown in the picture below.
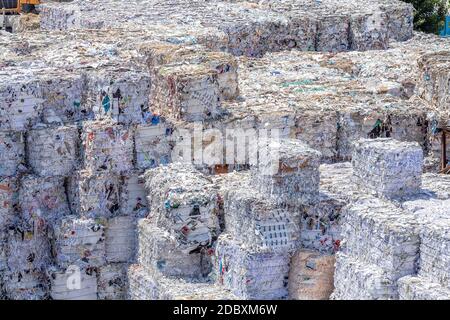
(435, 250)
(79, 242)
(311, 276)
(119, 95)
(333, 33)
(20, 103)
(379, 233)
(369, 31)
(32, 285)
(53, 151)
(28, 250)
(112, 282)
(11, 152)
(184, 201)
(287, 172)
(224, 65)
(62, 94)
(387, 167)
(153, 144)
(107, 147)
(188, 92)
(95, 195)
(354, 280)
(147, 286)
(334, 182)
(254, 220)
(8, 201)
(434, 80)
(159, 251)
(320, 224)
(250, 274)
(133, 196)
(120, 239)
(73, 284)
(417, 288)
(318, 129)
(403, 121)
(42, 199)
(400, 19)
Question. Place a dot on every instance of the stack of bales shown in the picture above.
(252, 259)
(381, 240)
(175, 240)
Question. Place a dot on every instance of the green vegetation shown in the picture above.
(430, 14)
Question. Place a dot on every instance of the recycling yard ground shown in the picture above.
(227, 150)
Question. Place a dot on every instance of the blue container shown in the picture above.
(445, 32)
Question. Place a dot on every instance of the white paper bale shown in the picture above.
(250, 274)
(133, 196)
(42, 199)
(158, 251)
(122, 96)
(187, 92)
(152, 144)
(107, 147)
(435, 248)
(62, 94)
(148, 286)
(120, 239)
(288, 172)
(112, 281)
(53, 151)
(417, 288)
(369, 31)
(184, 201)
(28, 250)
(387, 167)
(255, 220)
(379, 233)
(21, 104)
(73, 284)
(320, 224)
(79, 242)
(12, 152)
(354, 280)
(26, 285)
(95, 195)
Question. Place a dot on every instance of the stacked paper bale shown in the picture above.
(432, 281)
(12, 152)
(175, 240)
(288, 172)
(387, 167)
(363, 117)
(108, 146)
(53, 150)
(153, 145)
(119, 95)
(381, 245)
(381, 240)
(20, 103)
(252, 258)
(188, 84)
(250, 29)
(434, 80)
